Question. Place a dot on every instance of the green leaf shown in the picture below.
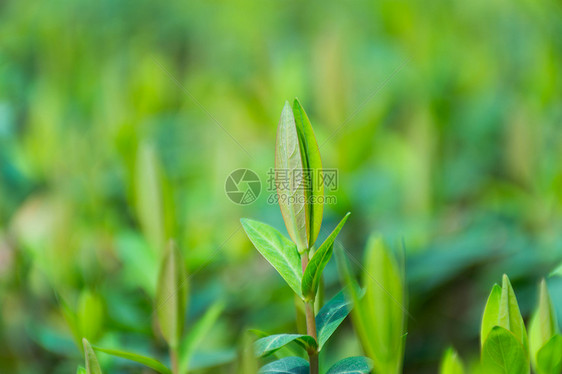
(312, 165)
(287, 365)
(352, 365)
(146, 361)
(292, 195)
(171, 296)
(549, 357)
(270, 344)
(509, 314)
(382, 311)
(544, 324)
(331, 316)
(503, 312)
(279, 251)
(81, 370)
(72, 321)
(491, 312)
(504, 354)
(92, 364)
(314, 269)
(149, 204)
(451, 363)
(90, 315)
(197, 333)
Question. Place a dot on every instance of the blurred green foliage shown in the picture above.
(443, 119)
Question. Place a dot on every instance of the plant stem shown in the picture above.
(174, 360)
(310, 323)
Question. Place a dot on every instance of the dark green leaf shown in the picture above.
(287, 365)
(197, 333)
(451, 363)
(171, 296)
(331, 316)
(279, 251)
(270, 344)
(312, 165)
(92, 364)
(352, 365)
(146, 361)
(314, 269)
(291, 193)
(504, 354)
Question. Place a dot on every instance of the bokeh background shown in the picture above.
(121, 120)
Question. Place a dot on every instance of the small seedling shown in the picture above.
(300, 200)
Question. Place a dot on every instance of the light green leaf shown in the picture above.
(549, 357)
(90, 315)
(146, 361)
(451, 363)
(80, 370)
(171, 296)
(314, 269)
(279, 251)
(504, 354)
(197, 333)
(270, 344)
(92, 364)
(148, 194)
(509, 314)
(331, 316)
(292, 195)
(491, 312)
(382, 310)
(544, 324)
(352, 365)
(287, 365)
(503, 312)
(312, 165)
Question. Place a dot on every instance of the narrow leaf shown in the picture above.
(312, 165)
(292, 195)
(549, 357)
(544, 324)
(270, 344)
(197, 333)
(451, 363)
(383, 310)
(509, 314)
(279, 251)
(352, 365)
(92, 364)
(287, 365)
(313, 272)
(331, 316)
(149, 205)
(491, 312)
(146, 361)
(504, 354)
(171, 296)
